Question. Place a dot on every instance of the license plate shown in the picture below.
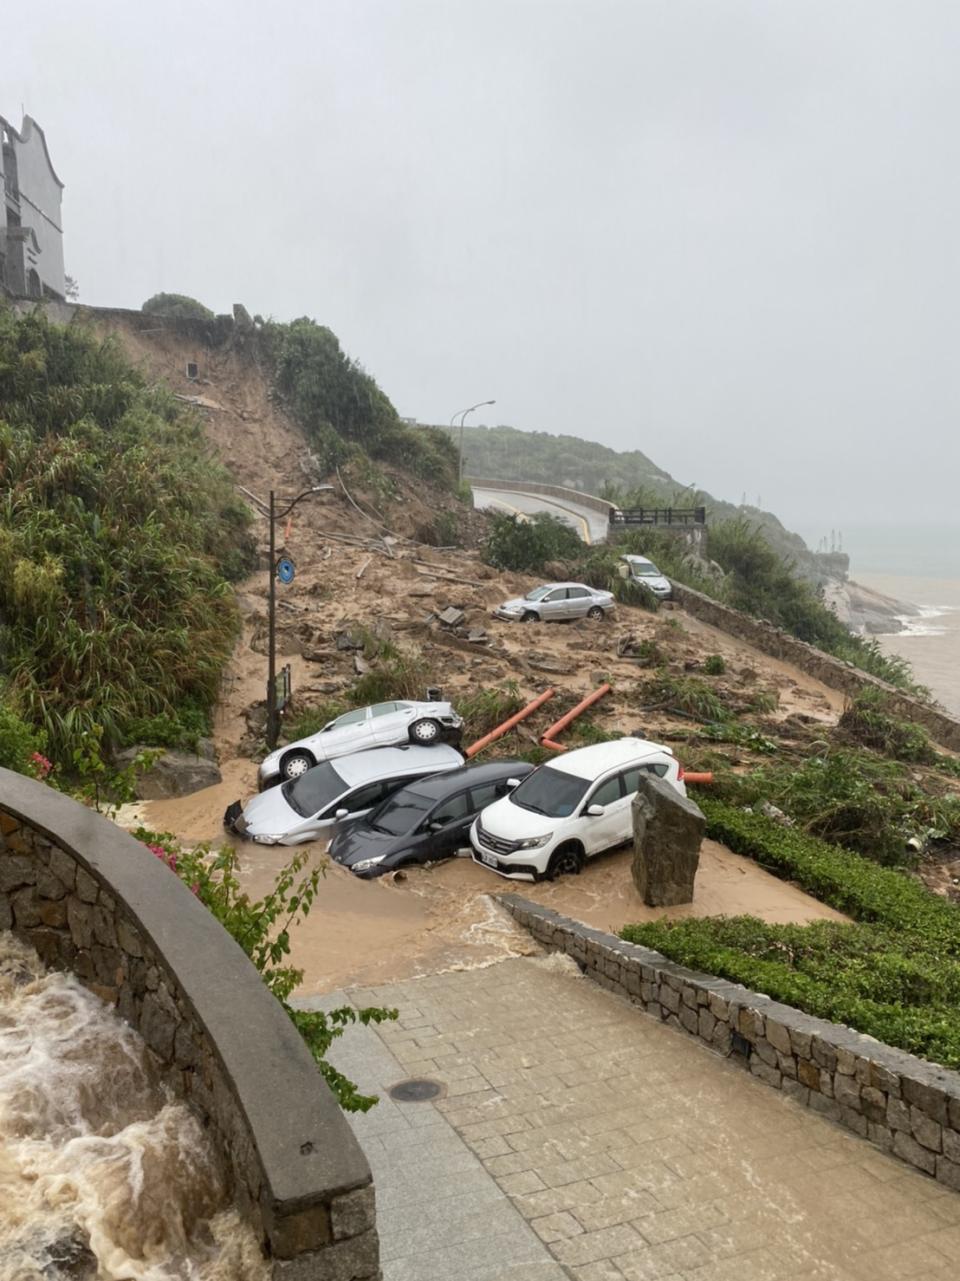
(489, 859)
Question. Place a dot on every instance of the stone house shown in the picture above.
(31, 234)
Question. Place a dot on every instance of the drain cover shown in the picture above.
(417, 1090)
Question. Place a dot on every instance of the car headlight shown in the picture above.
(366, 863)
(535, 842)
(272, 839)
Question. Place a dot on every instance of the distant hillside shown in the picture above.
(628, 479)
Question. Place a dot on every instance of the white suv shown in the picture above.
(564, 812)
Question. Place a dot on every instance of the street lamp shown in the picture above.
(273, 725)
(461, 414)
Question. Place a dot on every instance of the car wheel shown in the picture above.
(296, 764)
(530, 617)
(566, 861)
(424, 732)
(594, 612)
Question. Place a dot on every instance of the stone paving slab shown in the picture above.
(441, 1215)
(633, 1153)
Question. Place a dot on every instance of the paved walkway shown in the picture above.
(629, 1150)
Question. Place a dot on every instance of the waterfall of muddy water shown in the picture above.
(103, 1174)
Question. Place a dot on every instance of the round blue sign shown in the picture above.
(285, 570)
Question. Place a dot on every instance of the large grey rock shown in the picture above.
(668, 830)
(172, 774)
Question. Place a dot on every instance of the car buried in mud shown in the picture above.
(381, 725)
(557, 603)
(425, 821)
(569, 809)
(334, 792)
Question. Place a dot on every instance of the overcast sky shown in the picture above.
(721, 231)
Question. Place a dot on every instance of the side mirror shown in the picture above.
(436, 826)
(341, 813)
(594, 811)
(511, 783)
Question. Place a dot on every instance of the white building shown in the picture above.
(31, 234)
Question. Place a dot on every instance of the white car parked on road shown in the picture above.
(570, 809)
(382, 725)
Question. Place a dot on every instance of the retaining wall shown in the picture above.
(832, 671)
(550, 491)
(93, 900)
(901, 1103)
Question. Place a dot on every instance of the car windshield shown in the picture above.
(538, 593)
(314, 790)
(649, 570)
(550, 791)
(401, 813)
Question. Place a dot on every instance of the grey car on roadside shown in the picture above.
(556, 603)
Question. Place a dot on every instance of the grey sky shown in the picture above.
(723, 232)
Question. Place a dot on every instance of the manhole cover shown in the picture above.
(417, 1090)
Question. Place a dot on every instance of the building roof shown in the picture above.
(23, 134)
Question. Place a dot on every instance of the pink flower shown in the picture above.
(41, 766)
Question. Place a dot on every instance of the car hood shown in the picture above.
(513, 823)
(354, 844)
(652, 580)
(269, 814)
(517, 602)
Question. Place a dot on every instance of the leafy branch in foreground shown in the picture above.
(262, 929)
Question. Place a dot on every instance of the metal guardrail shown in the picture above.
(659, 516)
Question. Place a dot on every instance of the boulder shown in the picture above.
(172, 774)
(668, 830)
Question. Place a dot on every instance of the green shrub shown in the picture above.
(868, 721)
(894, 974)
(182, 727)
(19, 742)
(485, 709)
(117, 528)
(177, 307)
(684, 694)
(527, 545)
(398, 675)
(714, 665)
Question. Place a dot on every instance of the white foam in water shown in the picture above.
(103, 1175)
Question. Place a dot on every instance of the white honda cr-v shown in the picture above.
(564, 812)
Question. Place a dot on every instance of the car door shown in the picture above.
(554, 605)
(351, 732)
(359, 801)
(447, 824)
(614, 825)
(387, 724)
(579, 600)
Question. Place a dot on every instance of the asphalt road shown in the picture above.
(591, 525)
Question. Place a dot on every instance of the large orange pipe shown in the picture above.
(693, 777)
(507, 725)
(559, 726)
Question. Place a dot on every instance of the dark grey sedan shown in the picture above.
(425, 821)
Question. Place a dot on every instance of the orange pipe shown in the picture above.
(507, 725)
(706, 777)
(559, 726)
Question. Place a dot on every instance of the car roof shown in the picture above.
(588, 762)
(640, 560)
(565, 584)
(381, 762)
(468, 775)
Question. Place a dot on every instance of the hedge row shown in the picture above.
(893, 974)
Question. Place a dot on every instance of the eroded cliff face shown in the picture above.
(864, 611)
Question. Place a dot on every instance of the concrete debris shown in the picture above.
(477, 636)
(360, 665)
(451, 617)
(555, 666)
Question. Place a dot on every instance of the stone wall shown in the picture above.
(836, 673)
(93, 900)
(901, 1103)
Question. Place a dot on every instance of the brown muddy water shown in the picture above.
(930, 642)
(103, 1175)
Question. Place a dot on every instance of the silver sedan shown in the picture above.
(555, 603)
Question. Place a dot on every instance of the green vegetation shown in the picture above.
(118, 532)
(894, 974)
(685, 694)
(262, 928)
(20, 743)
(867, 720)
(177, 307)
(485, 709)
(714, 665)
(527, 545)
(600, 567)
(343, 412)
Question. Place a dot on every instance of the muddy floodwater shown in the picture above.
(428, 919)
(103, 1175)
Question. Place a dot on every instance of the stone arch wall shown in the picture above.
(93, 900)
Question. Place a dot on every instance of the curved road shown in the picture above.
(592, 526)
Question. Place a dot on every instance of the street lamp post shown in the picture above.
(461, 414)
(273, 724)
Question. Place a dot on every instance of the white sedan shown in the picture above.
(382, 725)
